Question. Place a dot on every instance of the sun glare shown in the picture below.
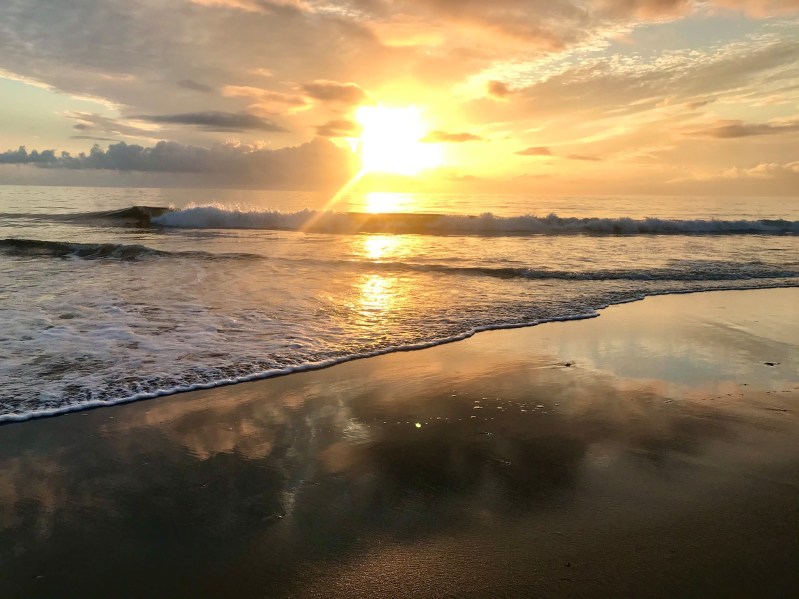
(390, 141)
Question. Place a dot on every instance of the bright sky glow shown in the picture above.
(390, 141)
(638, 97)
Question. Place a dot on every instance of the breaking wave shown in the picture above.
(218, 217)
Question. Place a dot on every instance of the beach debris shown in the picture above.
(772, 363)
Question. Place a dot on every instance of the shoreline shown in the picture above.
(8, 419)
(651, 452)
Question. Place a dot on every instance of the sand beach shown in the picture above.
(653, 451)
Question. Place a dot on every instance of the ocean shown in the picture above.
(111, 295)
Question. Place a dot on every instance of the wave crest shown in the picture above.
(219, 217)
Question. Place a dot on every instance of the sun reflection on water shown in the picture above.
(377, 247)
(384, 201)
(376, 295)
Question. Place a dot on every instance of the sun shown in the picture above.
(390, 141)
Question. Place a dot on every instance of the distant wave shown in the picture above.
(218, 217)
(36, 248)
(682, 271)
(133, 216)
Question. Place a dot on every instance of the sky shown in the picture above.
(534, 96)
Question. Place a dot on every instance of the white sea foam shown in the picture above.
(91, 404)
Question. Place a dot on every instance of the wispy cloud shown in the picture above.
(214, 120)
(732, 129)
(339, 128)
(333, 91)
(535, 151)
(196, 86)
(435, 137)
(583, 157)
(98, 123)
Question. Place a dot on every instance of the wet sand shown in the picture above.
(653, 451)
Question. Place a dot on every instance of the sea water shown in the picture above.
(111, 295)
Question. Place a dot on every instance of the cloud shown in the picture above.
(22, 156)
(318, 162)
(645, 9)
(191, 68)
(765, 170)
(583, 157)
(214, 120)
(444, 137)
(765, 178)
(94, 122)
(535, 151)
(266, 100)
(545, 151)
(333, 91)
(339, 128)
(192, 85)
(761, 8)
(92, 138)
(498, 89)
(731, 129)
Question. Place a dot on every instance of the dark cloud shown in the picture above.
(92, 138)
(339, 128)
(498, 89)
(333, 91)
(535, 151)
(314, 163)
(214, 120)
(95, 122)
(22, 156)
(734, 129)
(696, 105)
(266, 101)
(584, 157)
(192, 85)
(444, 137)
